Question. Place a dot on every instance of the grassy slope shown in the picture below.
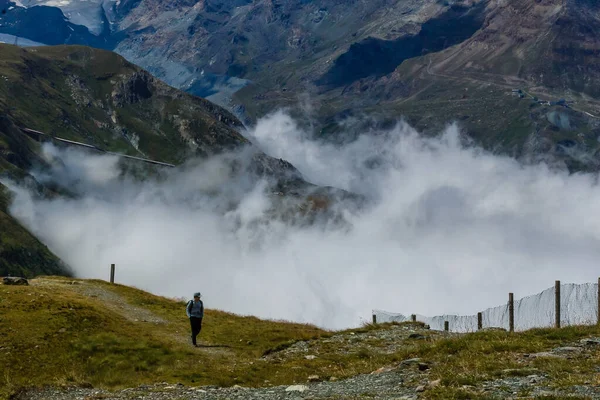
(88, 95)
(21, 254)
(85, 337)
(96, 333)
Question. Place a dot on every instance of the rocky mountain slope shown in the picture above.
(500, 81)
(143, 350)
(96, 97)
(431, 62)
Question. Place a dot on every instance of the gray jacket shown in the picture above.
(195, 309)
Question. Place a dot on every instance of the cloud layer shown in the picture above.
(449, 229)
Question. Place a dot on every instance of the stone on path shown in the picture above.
(297, 388)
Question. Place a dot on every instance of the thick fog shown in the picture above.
(449, 228)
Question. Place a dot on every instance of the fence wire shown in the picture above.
(578, 306)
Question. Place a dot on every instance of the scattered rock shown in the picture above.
(382, 370)
(416, 336)
(566, 349)
(590, 342)
(407, 379)
(435, 383)
(13, 280)
(520, 371)
(544, 354)
(411, 361)
(297, 388)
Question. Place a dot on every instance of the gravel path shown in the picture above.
(386, 385)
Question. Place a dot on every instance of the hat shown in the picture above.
(197, 294)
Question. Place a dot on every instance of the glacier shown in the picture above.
(89, 13)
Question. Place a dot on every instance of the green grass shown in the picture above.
(81, 341)
(68, 91)
(21, 254)
(91, 340)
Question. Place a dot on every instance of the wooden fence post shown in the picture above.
(413, 318)
(112, 273)
(446, 326)
(374, 319)
(598, 301)
(479, 321)
(511, 313)
(557, 304)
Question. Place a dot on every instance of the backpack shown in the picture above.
(190, 304)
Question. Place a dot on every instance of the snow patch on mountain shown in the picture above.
(89, 13)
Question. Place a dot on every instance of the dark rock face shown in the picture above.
(376, 57)
(10, 280)
(133, 89)
(572, 58)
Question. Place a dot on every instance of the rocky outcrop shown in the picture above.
(378, 57)
(10, 280)
(132, 89)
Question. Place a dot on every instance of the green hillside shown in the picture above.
(88, 333)
(95, 97)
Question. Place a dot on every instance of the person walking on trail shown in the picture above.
(195, 312)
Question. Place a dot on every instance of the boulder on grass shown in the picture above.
(14, 280)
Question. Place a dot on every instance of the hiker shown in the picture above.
(195, 312)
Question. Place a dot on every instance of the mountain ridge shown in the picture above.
(260, 55)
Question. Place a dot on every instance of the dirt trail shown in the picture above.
(109, 299)
(118, 304)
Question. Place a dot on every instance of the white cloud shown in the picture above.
(450, 229)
